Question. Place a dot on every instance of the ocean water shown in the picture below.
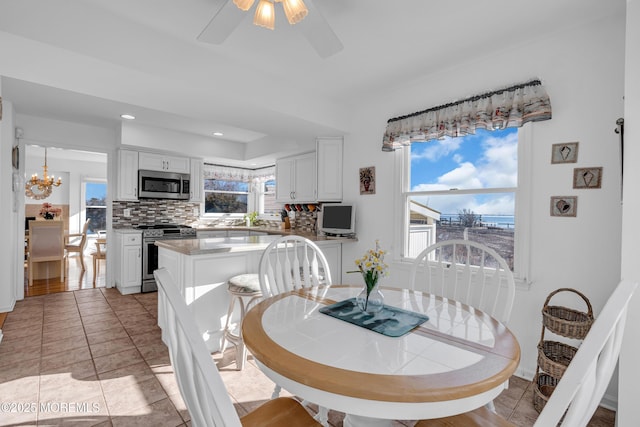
(503, 221)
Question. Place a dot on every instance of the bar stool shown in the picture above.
(240, 287)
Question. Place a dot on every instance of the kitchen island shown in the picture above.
(201, 268)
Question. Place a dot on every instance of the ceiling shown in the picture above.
(89, 61)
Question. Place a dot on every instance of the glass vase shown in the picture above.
(370, 300)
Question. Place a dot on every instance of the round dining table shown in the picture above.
(456, 361)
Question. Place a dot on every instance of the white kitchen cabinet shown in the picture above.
(127, 176)
(162, 162)
(296, 179)
(196, 186)
(128, 248)
(329, 169)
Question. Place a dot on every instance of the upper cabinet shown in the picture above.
(127, 176)
(196, 185)
(329, 167)
(296, 179)
(162, 162)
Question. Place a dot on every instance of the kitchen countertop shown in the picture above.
(233, 244)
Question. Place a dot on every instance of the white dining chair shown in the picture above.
(199, 381)
(292, 262)
(46, 243)
(468, 272)
(584, 382)
(289, 263)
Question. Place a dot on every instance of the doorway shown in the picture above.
(82, 194)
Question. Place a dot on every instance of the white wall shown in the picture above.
(629, 410)
(8, 214)
(582, 70)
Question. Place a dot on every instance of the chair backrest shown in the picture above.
(85, 230)
(101, 249)
(587, 376)
(292, 262)
(46, 240)
(468, 272)
(200, 383)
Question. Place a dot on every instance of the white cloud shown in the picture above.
(498, 166)
(437, 149)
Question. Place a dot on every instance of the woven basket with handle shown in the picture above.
(567, 321)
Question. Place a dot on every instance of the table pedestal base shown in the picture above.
(358, 421)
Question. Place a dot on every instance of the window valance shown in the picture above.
(508, 107)
(239, 174)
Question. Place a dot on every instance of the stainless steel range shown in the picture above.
(151, 233)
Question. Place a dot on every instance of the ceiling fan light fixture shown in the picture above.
(295, 10)
(243, 4)
(265, 15)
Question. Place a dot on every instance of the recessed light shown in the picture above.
(128, 116)
(218, 134)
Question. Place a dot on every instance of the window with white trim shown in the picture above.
(226, 196)
(95, 204)
(467, 188)
(238, 191)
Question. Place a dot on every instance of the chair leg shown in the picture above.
(95, 270)
(232, 304)
(323, 416)
(276, 392)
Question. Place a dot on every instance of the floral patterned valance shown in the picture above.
(500, 109)
(239, 174)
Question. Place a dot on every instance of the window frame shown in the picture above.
(255, 198)
(522, 211)
(249, 193)
(83, 200)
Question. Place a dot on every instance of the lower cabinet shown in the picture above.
(128, 271)
(202, 281)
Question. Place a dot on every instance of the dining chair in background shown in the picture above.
(585, 381)
(46, 243)
(199, 381)
(468, 272)
(289, 263)
(76, 242)
(100, 253)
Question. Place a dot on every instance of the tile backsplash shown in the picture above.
(147, 212)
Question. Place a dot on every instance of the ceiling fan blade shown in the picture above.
(318, 32)
(222, 24)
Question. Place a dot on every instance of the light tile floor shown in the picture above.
(94, 357)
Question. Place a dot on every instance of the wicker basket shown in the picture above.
(554, 357)
(566, 321)
(543, 387)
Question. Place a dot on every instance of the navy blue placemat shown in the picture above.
(390, 321)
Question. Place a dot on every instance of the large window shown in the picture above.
(225, 196)
(463, 188)
(96, 205)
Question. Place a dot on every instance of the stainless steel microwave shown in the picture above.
(163, 185)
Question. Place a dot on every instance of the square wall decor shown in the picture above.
(587, 177)
(564, 205)
(565, 152)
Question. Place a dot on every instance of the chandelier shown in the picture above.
(42, 187)
(295, 10)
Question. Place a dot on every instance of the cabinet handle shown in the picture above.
(139, 252)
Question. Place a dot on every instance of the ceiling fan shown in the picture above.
(308, 19)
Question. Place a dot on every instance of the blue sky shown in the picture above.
(484, 160)
(96, 189)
